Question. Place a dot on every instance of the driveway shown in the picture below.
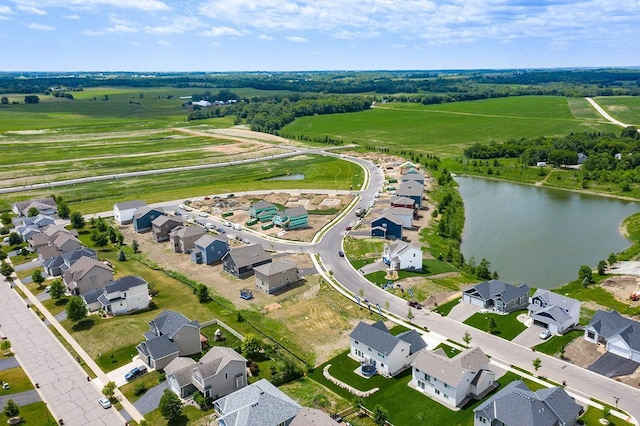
(149, 401)
(29, 265)
(117, 375)
(463, 310)
(22, 398)
(611, 365)
(530, 337)
(7, 363)
(373, 267)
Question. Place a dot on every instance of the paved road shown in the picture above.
(63, 384)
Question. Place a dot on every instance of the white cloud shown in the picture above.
(6, 10)
(41, 27)
(265, 37)
(164, 43)
(177, 25)
(223, 31)
(92, 33)
(398, 46)
(297, 39)
(72, 17)
(122, 29)
(31, 9)
(352, 35)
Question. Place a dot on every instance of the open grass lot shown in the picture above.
(36, 414)
(553, 345)
(624, 108)
(507, 326)
(17, 379)
(445, 129)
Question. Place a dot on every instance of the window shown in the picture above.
(226, 376)
(591, 335)
(427, 377)
(437, 392)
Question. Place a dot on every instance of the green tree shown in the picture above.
(613, 258)
(410, 315)
(202, 293)
(606, 412)
(14, 239)
(100, 239)
(63, 209)
(5, 345)
(33, 212)
(629, 132)
(11, 409)
(121, 256)
(602, 266)
(6, 270)
(466, 338)
(109, 390)
(135, 246)
(31, 99)
(4, 100)
(482, 270)
(251, 346)
(37, 277)
(537, 363)
(77, 220)
(288, 371)
(6, 218)
(585, 275)
(493, 326)
(57, 289)
(170, 405)
(3, 255)
(76, 309)
(380, 415)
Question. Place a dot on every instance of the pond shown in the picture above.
(539, 236)
(297, 176)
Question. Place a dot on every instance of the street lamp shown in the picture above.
(617, 399)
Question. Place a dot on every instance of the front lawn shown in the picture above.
(593, 415)
(111, 360)
(147, 381)
(445, 308)
(450, 351)
(36, 414)
(507, 326)
(17, 379)
(189, 415)
(555, 343)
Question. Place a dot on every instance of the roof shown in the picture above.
(161, 220)
(167, 323)
(277, 267)
(180, 368)
(451, 370)
(124, 283)
(412, 174)
(295, 211)
(92, 296)
(71, 256)
(609, 324)
(248, 255)
(145, 210)
(158, 348)
(551, 313)
(260, 205)
(402, 200)
(84, 265)
(207, 239)
(127, 205)
(39, 238)
(401, 211)
(47, 252)
(187, 231)
(311, 416)
(496, 289)
(52, 230)
(377, 336)
(517, 404)
(21, 206)
(63, 237)
(388, 216)
(259, 403)
(410, 188)
(216, 360)
(549, 298)
(400, 247)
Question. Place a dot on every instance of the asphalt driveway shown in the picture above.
(149, 401)
(611, 365)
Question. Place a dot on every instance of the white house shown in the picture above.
(620, 335)
(373, 344)
(404, 214)
(402, 256)
(123, 212)
(126, 294)
(553, 311)
(453, 381)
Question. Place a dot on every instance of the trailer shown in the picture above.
(227, 214)
(268, 226)
(251, 222)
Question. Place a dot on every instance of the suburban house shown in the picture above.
(292, 218)
(161, 226)
(124, 295)
(620, 335)
(170, 335)
(39, 221)
(553, 311)
(402, 256)
(411, 190)
(260, 403)
(373, 344)
(453, 381)
(413, 175)
(38, 241)
(209, 249)
(404, 215)
(123, 212)
(273, 276)
(86, 274)
(143, 217)
(263, 211)
(46, 206)
(47, 252)
(516, 404)
(498, 296)
(56, 265)
(242, 260)
(387, 226)
(183, 238)
(27, 231)
(66, 242)
(407, 166)
(403, 202)
(218, 373)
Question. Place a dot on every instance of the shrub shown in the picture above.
(139, 389)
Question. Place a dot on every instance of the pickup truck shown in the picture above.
(135, 372)
(414, 304)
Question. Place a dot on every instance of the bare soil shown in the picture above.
(621, 287)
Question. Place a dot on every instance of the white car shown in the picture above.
(209, 226)
(104, 402)
(545, 334)
(203, 214)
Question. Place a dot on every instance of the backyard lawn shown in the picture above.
(507, 326)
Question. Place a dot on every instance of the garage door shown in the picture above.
(474, 300)
(616, 350)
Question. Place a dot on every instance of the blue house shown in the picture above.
(387, 226)
(143, 217)
(209, 249)
(413, 190)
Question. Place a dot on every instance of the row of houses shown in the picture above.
(288, 218)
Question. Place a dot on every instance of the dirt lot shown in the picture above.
(621, 288)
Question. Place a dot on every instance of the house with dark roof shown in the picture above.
(262, 210)
(498, 296)
(123, 211)
(373, 344)
(161, 226)
(183, 238)
(119, 297)
(27, 231)
(143, 217)
(274, 276)
(404, 215)
(453, 381)
(45, 206)
(241, 261)
(55, 266)
(210, 249)
(39, 221)
(387, 226)
(620, 335)
(292, 218)
(517, 405)
(66, 242)
(402, 256)
(413, 190)
(170, 335)
(86, 274)
(553, 311)
(218, 373)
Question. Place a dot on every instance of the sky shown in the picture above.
(309, 35)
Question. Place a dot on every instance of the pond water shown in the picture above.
(539, 236)
(297, 176)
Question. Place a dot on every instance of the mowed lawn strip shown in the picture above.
(17, 379)
(507, 326)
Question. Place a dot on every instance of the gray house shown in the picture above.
(517, 405)
(170, 335)
(273, 276)
(241, 261)
(162, 226)
(183, 238)
(55, 266)
(45, 206)
(210, 249)
(620, 335)
(553, 311)
(498, 296)
(86, 274)
(413, 190)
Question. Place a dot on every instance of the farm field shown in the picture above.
(447, 128)
(624, 108)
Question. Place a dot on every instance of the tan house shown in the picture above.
(162, 226)
(183, 238)
(87, 274)
(271, 277)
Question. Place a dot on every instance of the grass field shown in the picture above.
(17, 379)
(445, 129)
(507, 326)
(624, 108)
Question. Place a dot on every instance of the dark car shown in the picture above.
(414, 304)
(341, 253)
(135, 372)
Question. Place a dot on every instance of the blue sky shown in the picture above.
(276, 35)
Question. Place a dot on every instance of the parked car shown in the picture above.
(135, 372)
(47, 289)
(203, 214)
(415, 304)
(545, 334)
(104, 402)
(209, 226)
(341, 253)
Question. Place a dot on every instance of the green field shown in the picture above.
(447, 128)
(624, 108)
